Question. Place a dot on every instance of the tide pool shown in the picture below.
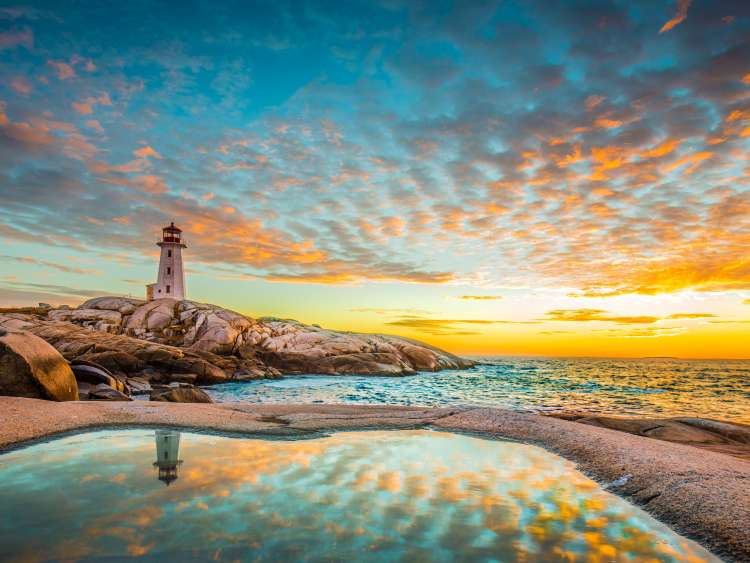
(353, 496)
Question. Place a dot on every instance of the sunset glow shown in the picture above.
(531, 178)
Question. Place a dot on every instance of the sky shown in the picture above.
(515, 177)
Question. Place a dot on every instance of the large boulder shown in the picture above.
(181, 395)
(123, 305)
(30, 367)
(153, 316)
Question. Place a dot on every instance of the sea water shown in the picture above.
(420, 495)
(648, 387)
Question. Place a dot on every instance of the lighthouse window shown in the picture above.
(169, 271)
(169, 254)
(167, 289)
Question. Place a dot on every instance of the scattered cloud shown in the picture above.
(444, 327)
(381, 311)
(21, 85)
(598, 315)
(691, 316)
(648, 332)
(480, 297)
(608, 187)
(47, 264)
(63, 70)
(679, 17)
(16, 38)
(58, 289)
(86, 107)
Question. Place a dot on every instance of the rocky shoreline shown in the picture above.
(132, 346)
(690, 473)
(700, 493)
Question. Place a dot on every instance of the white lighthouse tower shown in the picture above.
(167, 455)
(170, 280)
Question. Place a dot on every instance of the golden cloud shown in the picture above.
(444, 327)
(588, 315)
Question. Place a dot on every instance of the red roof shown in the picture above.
(172, 229)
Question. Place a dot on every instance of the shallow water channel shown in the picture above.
(413, 495)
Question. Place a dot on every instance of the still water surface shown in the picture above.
(650, 387)
(354, 496)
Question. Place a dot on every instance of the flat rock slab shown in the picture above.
(701, 494)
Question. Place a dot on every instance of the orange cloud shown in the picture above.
(606, 158)
(606, 122)
(43, 133)
(95, 125)
(662, 149)
(87, 106)
(738, 115)
(694, 160)
(679, 17)
(480, 297)
(21, 85)
(145, 152)
(593, 102)
(588, 315)
(713, 272)
(445, 327)
(16, 38)
(63, 70)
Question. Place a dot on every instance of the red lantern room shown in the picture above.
(171, 234)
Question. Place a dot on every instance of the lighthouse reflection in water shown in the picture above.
(167, 455)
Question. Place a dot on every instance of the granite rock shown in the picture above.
(181, 395)
(30, 367)
(249, 348)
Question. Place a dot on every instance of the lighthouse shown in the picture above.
(170, 280)
(167, 455)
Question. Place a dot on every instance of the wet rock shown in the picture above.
(181, 395)
(104, 392)
(30, 367)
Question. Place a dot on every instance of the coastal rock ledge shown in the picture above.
(156, 339)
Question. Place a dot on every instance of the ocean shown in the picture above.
(659, 387)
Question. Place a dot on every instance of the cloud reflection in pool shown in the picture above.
(364, 496)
